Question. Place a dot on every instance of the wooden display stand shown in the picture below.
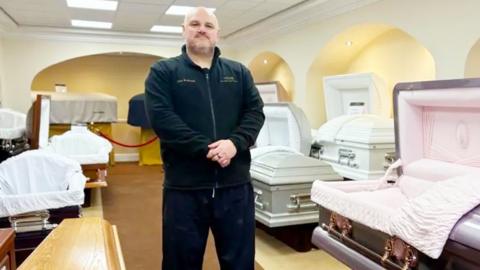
(7, 249)
(79, 243)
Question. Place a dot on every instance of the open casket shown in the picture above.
(358, 132)
(424, 213)
(80, 144)
(38, 189)
(12, 133)
(281, 171)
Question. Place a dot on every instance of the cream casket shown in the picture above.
(424, 213)
(358, 132)
(282, 173)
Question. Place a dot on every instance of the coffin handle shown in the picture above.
(258, 199)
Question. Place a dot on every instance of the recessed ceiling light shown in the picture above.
(182, 10)
(265, 61)
(93, 4)
(91, 24)
(166, 29)
(348, 43)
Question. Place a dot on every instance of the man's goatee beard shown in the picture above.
(201, 49)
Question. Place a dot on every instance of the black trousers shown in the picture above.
(187, 217)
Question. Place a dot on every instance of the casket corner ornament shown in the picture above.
(400, 252)
(339, 225)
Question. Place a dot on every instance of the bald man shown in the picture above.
(207, 113)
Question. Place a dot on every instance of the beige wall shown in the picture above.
(276, 69)
(122, 76)
(447, 29)
(26, 57)
(395, 57)
(472, 67)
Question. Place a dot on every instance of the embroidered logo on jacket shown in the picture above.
(228, 79)
(184, 80)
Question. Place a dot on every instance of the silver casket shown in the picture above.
(282, 173)
(358, 133)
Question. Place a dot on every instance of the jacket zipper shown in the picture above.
(212, 112)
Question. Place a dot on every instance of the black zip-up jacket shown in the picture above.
(190, 107)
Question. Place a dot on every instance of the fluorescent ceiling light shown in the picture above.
(91, 24)
(182, 10)
(166, 29)
(93, 4)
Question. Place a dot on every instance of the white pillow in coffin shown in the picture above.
(82, 146)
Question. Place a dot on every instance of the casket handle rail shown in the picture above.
(401, 252)
(31, 221)
(298, 202)
(347, 157)
(258, 199)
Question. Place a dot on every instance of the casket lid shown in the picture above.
(360, 128)
(272, 92)
(285, 125)
(341, 91)
(286, 167)
(438, 120)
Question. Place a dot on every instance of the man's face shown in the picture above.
(200, 31)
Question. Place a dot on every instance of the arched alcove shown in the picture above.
(392, 54)
(119, 74)
(269, 66)
(472, 65)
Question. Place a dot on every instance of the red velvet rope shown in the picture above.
(128, 145)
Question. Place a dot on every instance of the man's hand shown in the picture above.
(222, 151)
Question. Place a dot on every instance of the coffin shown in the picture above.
(358, 132)
(282, 173)
(12, 133)
(424, 212)
(71, 108)
(38, 189)
(79, 144)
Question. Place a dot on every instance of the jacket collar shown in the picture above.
(216, 55)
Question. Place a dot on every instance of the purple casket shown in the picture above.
(424, 213)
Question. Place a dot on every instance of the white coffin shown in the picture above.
(37, 180)
(79, 143)
(437, 180)
(355, 145)
(358, 133)
(282, 173)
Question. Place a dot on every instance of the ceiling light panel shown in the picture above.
(93, 4)
(166, 29)
(182, 10)
(91, 24)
